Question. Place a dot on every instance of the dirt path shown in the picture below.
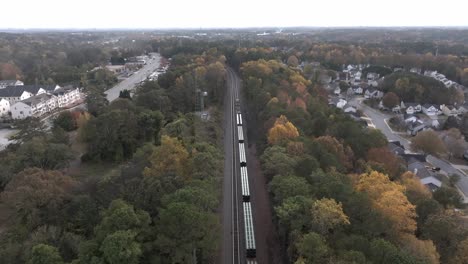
(266, 236)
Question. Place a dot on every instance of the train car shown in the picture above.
(243, 161)
(239, 119)
(245, 184)
(240, 134)
(249, 231)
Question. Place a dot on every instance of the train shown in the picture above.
(251, 250)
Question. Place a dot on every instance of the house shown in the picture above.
(33, 106)
(396, 147)
(449, 110)
(463, 109)
(430, 73)
(425, 175)
(415, 70)
(431, 110)
(349, 109)
(349, 92)
(372, 79)
(6, 83)
(412, 108)
(325, 79)
(373, 93)
(396, 109)
(4, 107)
(341, 103)
(358, 90)
(337, 90)
(415, 128)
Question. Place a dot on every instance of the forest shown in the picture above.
(138, 180)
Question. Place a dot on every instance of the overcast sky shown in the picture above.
(236, 13)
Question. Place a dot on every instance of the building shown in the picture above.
(66, 95)
(431, 110)
(18, 93)
(33, 106)
(412, 108)
(6, 83)
(4, 107)
(425, 174)
(449, 110)
(373, 93)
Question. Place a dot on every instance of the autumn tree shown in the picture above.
(389, 199)
(384, 157)
(281, 131)
(423, 250)
(35, 193)
(461, 253)
(428, 142)
(414, 189)
(454, 142)
(293, 61)
(390, 100)
(327, 215)
(343, 154)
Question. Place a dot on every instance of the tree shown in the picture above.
(96, 101)
(428, 142)
(384, 157)
(282, 187)
(461, 253)
(36, 195)
(454, 142)
(448, 197)
(125, 94)
(29, 128)
(276, 161)
(343, 154)
(327, 214)
(66, 121)
(390, 100)
(121, 247)
(312, 248)
(422, 250)
(414, 189)
(45, 254)
(293, 61)
(281, 131)
(389, 199)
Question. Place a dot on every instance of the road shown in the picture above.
(134, 79)
(232, 204)
(378, 118)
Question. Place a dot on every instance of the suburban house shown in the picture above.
(396, 147)
(412, 108)
(358, 90)
(4, 107)
(325, 78)
(415, 70)
(425, 174)
(349, 109)
(373, 93)
(415, 128)
(337, 102)
(6, 83)
(337, 90)
(33, 106)
(431, 110)
(449, 110)
(463, 109)
(372, 78)
(341, 103)
(343, 76)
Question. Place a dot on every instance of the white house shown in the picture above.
(349, 109)
(358, 90)
(412, 108)
(373, 93)
(65, 96)
(4, 107)
(431, 110)
(449, 110)
(341, 103)
(18, 93)
(337, 91)
(6, 83)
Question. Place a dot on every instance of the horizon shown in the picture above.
(209, 14)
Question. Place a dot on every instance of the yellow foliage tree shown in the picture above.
(171, 157)
(327, 214)
(424, 250)
(461, 253)
(389, 199)
(415, 190)
(281, 131)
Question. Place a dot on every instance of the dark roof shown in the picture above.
(421, 170)
(8, 82)
(411, 104)
(413, 157)
(17, 91)
(37, 99)
(429, 105)
(396, 147)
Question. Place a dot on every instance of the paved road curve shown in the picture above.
(232, 213)
(133, 80)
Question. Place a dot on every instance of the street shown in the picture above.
(135, 78)
(232, 252)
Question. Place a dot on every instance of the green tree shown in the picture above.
(390, 100)
(448, 197)
(312, 248)
(66, 121)
(283, 187)
(276, 161)
(45, 254)
(121, 247)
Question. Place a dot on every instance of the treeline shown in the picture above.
(158, 206)
(415, 88)
(339, 195)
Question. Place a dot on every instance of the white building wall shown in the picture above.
(20, 111)
(4, 107)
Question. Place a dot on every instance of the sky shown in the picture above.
(104, 14)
